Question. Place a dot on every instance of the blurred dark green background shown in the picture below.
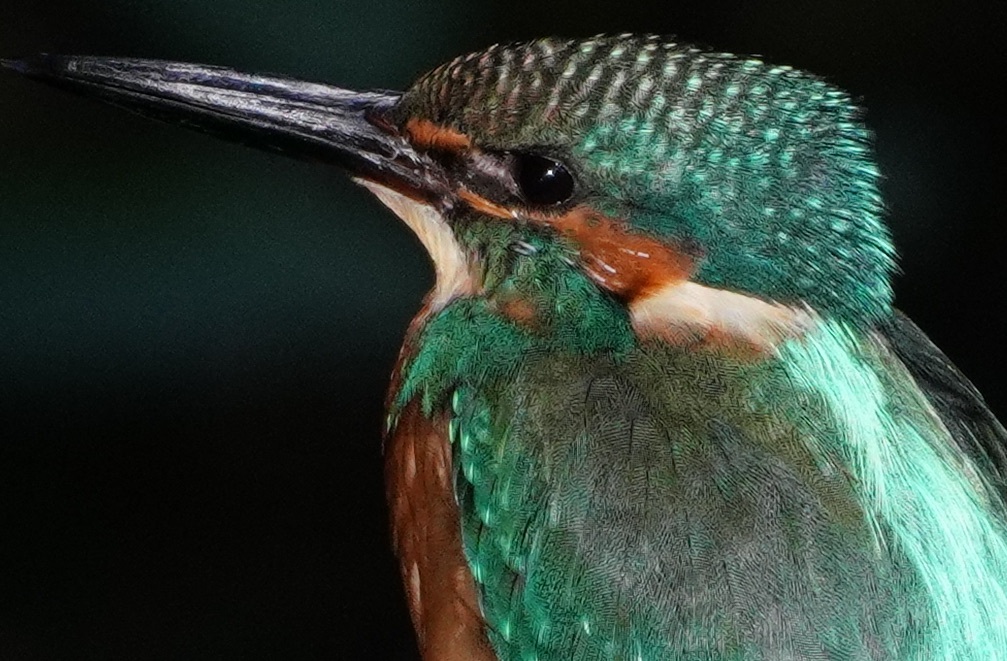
(195, 337)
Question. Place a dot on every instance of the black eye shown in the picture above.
(542, 180)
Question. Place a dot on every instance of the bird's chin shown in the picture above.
(454, 272)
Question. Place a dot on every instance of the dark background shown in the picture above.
(195, 337)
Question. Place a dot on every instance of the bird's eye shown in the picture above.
(542, 180)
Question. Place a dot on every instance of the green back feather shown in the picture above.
(918, 490)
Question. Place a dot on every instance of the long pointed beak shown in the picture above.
(276, 113)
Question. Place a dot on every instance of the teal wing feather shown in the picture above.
(961, 407)
(646, 503)
(651, 508)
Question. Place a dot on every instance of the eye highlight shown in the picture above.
(542, 181)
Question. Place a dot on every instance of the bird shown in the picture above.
(659, 404)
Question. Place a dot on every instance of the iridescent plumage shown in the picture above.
(630, 500)
(659, 406)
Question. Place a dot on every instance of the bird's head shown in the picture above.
(694, 191)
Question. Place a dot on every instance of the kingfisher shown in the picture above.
(658, 405)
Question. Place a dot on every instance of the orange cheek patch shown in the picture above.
(624, 262)
(482, 205)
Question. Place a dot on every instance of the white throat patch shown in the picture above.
(451, 265)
